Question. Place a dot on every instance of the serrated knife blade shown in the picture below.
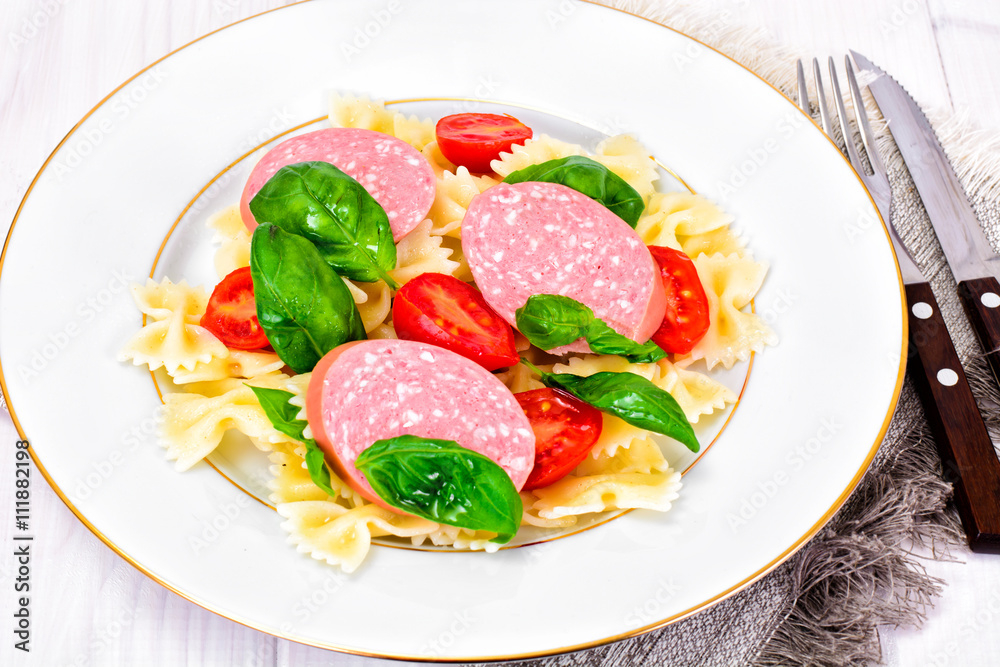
(966, 247)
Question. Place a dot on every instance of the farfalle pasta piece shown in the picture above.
(600, 493)
(460, 538)
(291, 482)
(192, 425)
(721, 241)
(616, 434)
(174, 339)
(454, 193)
(374, 301)
(328, 531)
(361, 112)
(541, 148)
(730, 283)
(420, 252)
(233, 239)
(695, 392)
(589, 364)
(529, 516)
(439, 163)
(519, 378)
(642, 456)
(630, 160)
(239, 364)
(671, 215)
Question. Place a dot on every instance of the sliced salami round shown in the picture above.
(393, 172)
(371, 390)
(544, 238)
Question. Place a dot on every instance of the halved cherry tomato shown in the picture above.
(442, 310)
(565, 429)
(686, 319)
(473, 140)
(232, 313)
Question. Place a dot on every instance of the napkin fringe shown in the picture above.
(860, 572)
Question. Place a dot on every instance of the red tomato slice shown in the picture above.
(442, 310)
(565, 429)
(686, 319)
(473, 140)
(232, 313)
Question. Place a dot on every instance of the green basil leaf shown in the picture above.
(444, 482)
(630, 397)
(605, 340)
(549, 321)
(588, 177)
(303, 306)
(318, 201)
(283, 417)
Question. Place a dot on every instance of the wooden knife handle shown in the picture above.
(967, 453)
(981, 298)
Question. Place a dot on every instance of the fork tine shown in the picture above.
(803, 91)
(824, 112)
(861, 115)
(852, 152)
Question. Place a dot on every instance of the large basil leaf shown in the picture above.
(630, 397)
(444, 482)
(283, 417)
(588, 177)
(304, 307)
(549, 321)
(320, 202)
(605, 340)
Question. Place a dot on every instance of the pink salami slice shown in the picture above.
(544, 238)
(394, 173)
(370, 390)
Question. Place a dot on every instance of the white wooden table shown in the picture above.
(61, 57)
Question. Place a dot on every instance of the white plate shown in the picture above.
(809, 423)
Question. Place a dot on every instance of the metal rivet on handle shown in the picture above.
(947, 377)
(922, 310)
(990, 299)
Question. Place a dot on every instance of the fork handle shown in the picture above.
(981, 299)
(966, 450)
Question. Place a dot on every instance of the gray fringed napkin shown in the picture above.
(823, 606)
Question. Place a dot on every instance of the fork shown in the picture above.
(951, 409)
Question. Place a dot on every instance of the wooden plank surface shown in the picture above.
(60, 58)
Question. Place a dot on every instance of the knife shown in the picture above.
(971, 464)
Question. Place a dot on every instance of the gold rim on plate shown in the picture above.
(782, 557)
